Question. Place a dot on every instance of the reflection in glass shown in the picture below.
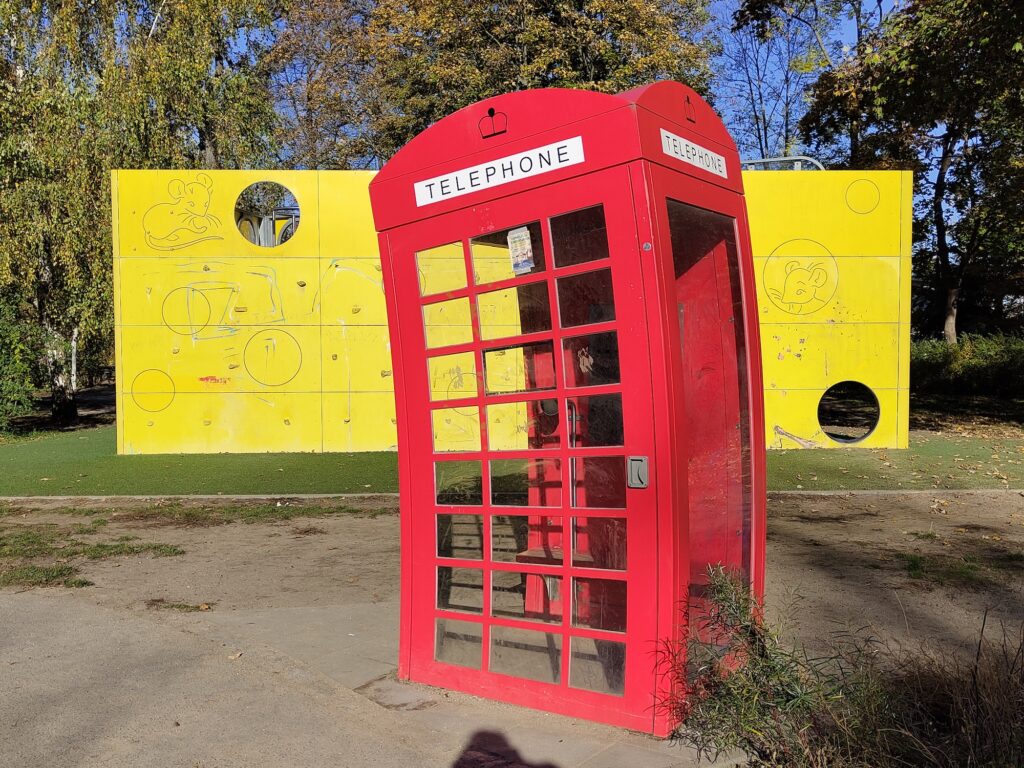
(599, 604)
(599, 482)
(460, 536)
(506, 254)
(526, 596)
(591, 360)
(519, 369)
(518, 426)
(526, 539)
(460, 589)
(596, 420)
(586, 299)
(458, 642)
(441, 269)
(452, 376)
(459, 483)
(522, 653)
(526, 483)
(598, 665)
(456, 429)
(579, 236)
(599, 542)
(447, 322)
(514, 311)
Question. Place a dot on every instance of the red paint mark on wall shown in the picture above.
(214, 379)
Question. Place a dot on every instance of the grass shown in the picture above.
(41, 555)
(860, 705)
(933, 461)
(85, 463)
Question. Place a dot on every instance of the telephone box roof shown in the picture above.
(614, 129)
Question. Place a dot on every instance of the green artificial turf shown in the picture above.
(85, 463)
(940, 461)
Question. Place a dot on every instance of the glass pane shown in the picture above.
(709, 301)
(452, 376)
(459, 482)
(592, 360)
(519, 369)
(533, 596)
(599, 604)
(518, 426)
(522, 653)
(447, 322)
(598, 665)
(458, 642)
(460, 589)
(526, 483)
(585, 299)
(460, 536)
(599, 542)
(441, 269)
(456, 429)
(579, 236)
(526, 539)
(599, 482)
(509, 253)
(595, 420)
(514, 311)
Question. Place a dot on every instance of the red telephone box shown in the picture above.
(577, 372)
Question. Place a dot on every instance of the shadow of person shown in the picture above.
(490, 749)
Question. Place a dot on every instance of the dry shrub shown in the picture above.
(862, 704)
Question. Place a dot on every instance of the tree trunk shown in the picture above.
(949, 326)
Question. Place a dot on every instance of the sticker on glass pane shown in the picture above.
(598, 665)
(531, 596)
(592, 360)
(458, 483)
(460, 536)
(579, 237)
(599, 542)
(507, 254)
(526, 483)
(452, 377)
(456, 429)
(535, 539)
(441, 269)
(519, 369)
(522, 653)
(599, 482)
(458, 642)
(599, 604)
(514, 311)
(586, 299)
(460, 589)
(519, 426)
(447, 322)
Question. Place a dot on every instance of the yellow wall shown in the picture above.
(832, 261)
(226, 346)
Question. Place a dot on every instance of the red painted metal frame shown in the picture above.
(626, 170)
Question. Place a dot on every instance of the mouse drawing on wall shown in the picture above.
(185, 219)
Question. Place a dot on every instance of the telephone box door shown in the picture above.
(529, 541)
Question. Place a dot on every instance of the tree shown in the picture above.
(375, 75)
(762, 80)
(940, 82)
(84, 89)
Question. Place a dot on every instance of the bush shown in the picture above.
(859, 705)
(976, 365)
